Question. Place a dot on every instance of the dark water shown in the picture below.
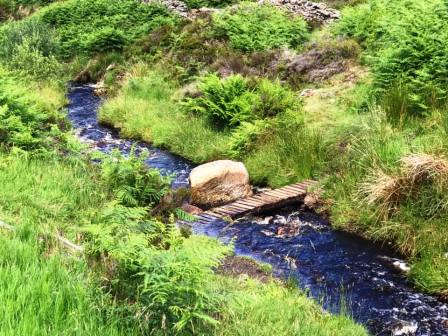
(333, 267)
(82, 112)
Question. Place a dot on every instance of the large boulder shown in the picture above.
(219, 182)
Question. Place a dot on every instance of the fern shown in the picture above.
(131, 181)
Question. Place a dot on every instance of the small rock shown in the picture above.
(404, 328)
(312, 201)
(191, 209)
(401, 265)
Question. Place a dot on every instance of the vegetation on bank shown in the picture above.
(139, 273)
(376, 138)
(244, 97)
(359, 105)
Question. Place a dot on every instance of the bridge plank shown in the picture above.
(268, 200)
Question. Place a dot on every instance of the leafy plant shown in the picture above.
(274, 99)
(150, 263)
(23, 122)
(243, 138)
(132, 183)
(225, 102)
(29, 47)
(100, 22)
(406, 46)
(253, 27)
(106, 39)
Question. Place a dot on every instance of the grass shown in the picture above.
(44, 291)
(267, 309)
(145, 109)
(360, 142)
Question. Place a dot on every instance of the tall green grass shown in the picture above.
(44, 291)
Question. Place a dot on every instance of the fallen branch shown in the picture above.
(64, 241)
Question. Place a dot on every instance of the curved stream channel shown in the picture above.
(333, 267)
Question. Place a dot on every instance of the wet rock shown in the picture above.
(279, 220)
(401, 266)
(219, 182)
(312, 201)
(191, 209)
(403, 328)
(310, 11)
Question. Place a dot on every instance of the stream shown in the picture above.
(340, 271)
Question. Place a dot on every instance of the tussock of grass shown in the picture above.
(382, 190)
(421, 166)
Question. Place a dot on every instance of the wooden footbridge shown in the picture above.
(258, 203)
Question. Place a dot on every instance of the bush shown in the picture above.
(16, 9)
(102, 22)
(38, 35)
(165, 276)
(253, 27)
(231, 101)
(131, 181)
(106, 39)
(208, 3)
(25, 123)
(243, 138)
(406, 43)
(274, 99)
(29, 47)
(225, 102)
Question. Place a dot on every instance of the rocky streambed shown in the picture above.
(340, 271)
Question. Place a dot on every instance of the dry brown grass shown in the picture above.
(419, 167)
(386, 191)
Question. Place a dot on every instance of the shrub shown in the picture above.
(17, 9)
(166, 276)
(225, 102)
(406, 43)
(31, 62)
(25, 123)
(37, 34)
(230, 101)
(106, 39)
(209, 3)
(253, 27)
(102, 22)
(131, 181)
(243, 138)
(29, 47)
(274, 99)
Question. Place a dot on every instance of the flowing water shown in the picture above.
(341, 271)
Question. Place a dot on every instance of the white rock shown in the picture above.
(219, 182)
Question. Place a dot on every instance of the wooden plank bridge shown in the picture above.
(258, 203)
